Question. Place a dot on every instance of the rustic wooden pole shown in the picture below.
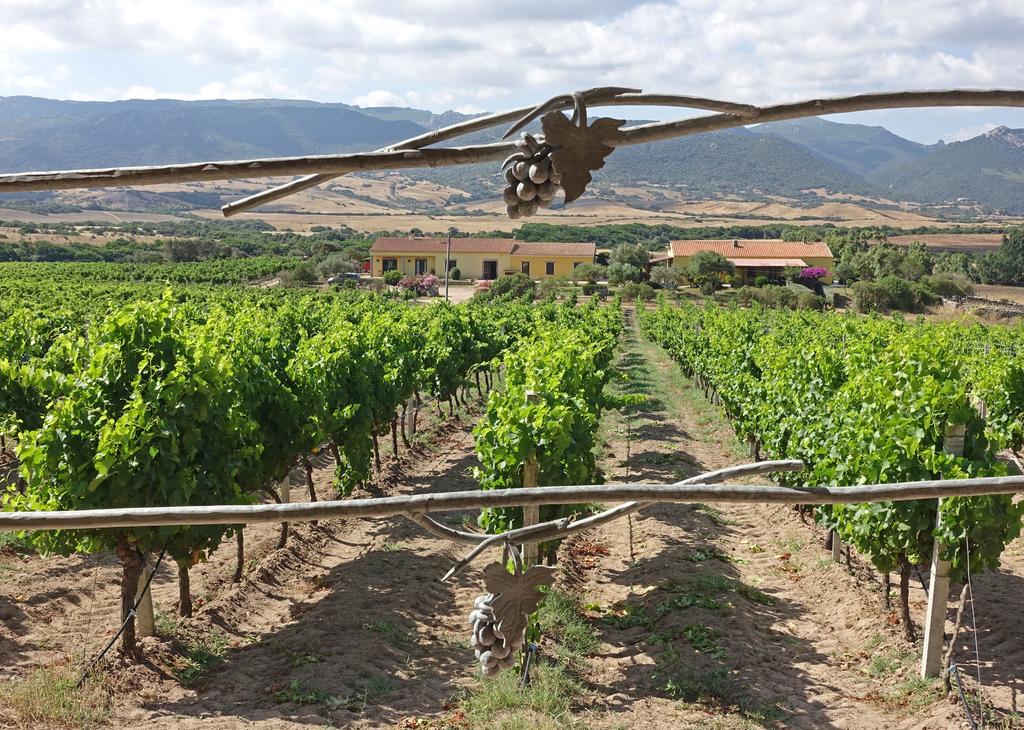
(231, 514)
(391, 159)
(938, 584)
(531, 478)
(146, 624)
(837, 547)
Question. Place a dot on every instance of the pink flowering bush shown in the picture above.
(421, 286)
(812, 273)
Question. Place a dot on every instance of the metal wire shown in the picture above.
(124, 624)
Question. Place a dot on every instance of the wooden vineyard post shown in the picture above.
(145, 623)
(938, 584)
(531, 478)
(837, 547)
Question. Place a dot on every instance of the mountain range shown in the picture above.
(799, 159)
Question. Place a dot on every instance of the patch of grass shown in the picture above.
(561, 617)
(680, 679)
(874, 642)
(703, 554)
(911, 693)
(715, 515)
(200, 654)
(545, 704)
(297, 693)
(755, 548)
(14, 543)
(705, 591)
(720, 584)
(368, 692)
(47, 698)
(392, 633)
(302, 658)
(365, 693)
(389, 546)
(882, 665)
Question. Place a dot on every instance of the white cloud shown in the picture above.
(968, 132)
(473, 55)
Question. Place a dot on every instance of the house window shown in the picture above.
(421, 267)
(525, 267)
(575, 264)
(549, 268)
(452, 264)
(389, 264)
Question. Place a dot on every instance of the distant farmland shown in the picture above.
(968, 242)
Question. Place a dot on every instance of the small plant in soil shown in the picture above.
(392, 633)
(715, 515)
(295, 693)
(200, 654)
(302, 658)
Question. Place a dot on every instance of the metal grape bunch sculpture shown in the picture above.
(499, 618)
(561, 159)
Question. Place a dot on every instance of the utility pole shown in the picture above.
(447, 264)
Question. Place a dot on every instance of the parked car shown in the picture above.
(342, 278)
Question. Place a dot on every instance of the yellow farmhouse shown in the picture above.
(755, 257)
(479, 258)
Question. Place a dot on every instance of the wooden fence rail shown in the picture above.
(475, 499)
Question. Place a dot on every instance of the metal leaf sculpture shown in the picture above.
(579, 149)
(516, 595)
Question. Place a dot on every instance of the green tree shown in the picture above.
(630, 254)
(665, 277)
(590, 273)
(706, 269)
(620, 273)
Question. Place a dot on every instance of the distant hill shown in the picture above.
(40, 134)
(859, 149)
(988, 169)
(781, 159)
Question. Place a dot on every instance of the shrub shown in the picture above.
(455, 273)
(810, 300)
(547, 287)
(761, 281)
(621, 273)
(590, 273)
(589, 288)
(513, 286)
(640, 292)
(305, 273)
(948, 284)
(392, 277)
(336, 263)
(665, 277)
(812, 273)
(868, 296)
(891, 293)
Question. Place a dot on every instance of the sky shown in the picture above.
(490, 55)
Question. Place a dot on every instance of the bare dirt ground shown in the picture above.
(732, 617)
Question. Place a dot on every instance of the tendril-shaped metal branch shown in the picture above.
(417, 152)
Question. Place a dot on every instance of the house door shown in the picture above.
(421, 267)
(490, 270)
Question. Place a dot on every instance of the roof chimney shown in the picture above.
(735, 243)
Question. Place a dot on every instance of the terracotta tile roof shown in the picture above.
(439, 245)
(755, 248)
(754, 263)
(582, 251)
